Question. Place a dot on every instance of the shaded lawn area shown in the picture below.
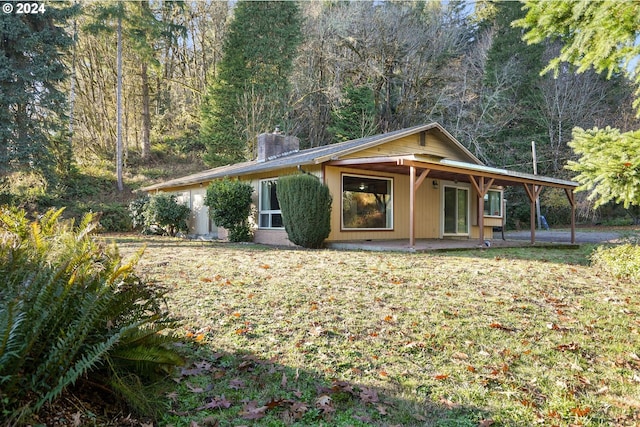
(497, 337)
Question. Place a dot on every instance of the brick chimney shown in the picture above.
(273, 145)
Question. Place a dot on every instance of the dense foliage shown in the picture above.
(251, 88)
(34, 110)
(609, 165)
(72, 310)
(229, 204)
(622, 262)
(599, 34)
(160, 213)
(306, 209)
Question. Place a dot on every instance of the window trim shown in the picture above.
(390, 204)
(489, 215)
(457, 186)
(269, 212)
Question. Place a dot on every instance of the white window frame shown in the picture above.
(389, 205)
(269, 212)
(490, 215)
(442, 222)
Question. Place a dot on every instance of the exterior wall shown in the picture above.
(267, 236)
(427, 208)
(434, 146)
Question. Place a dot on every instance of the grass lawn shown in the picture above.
(502, 337)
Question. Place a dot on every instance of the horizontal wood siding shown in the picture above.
(427, 208)
(411, 145)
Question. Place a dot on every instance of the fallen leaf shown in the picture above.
(194, 389)
(368, 395)
(448, 403)
(236, 384)
(283, 381)
(497, 325)
(382, 410)
(77, 419)
(581, 412)
(325, 404)
(441, 377)
(486, 422)
(251, 411)
(217, 402)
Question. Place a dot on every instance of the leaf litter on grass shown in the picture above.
(513, 342)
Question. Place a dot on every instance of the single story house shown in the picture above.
(414, 183)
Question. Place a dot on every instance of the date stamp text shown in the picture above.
(23, 8)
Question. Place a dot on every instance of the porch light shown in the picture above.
(435, 184)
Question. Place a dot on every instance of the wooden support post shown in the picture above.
(481, 188)
(412, 205)
(533, 191)
(572, 202)
(414, 184)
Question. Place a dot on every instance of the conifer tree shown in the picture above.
(250, 91)
(355, 116)
(32, 106)
(511, 62)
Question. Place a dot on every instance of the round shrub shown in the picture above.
(163, 213)
(114, 217)
(229, 204)
(305, 203)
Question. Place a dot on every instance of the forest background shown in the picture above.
(106, 95)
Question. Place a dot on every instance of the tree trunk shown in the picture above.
(146, 115)
(119, 108)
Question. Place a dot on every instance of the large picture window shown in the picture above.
(367, 203)
(493, 203)
(270, 215)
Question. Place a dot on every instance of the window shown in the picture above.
(456, 210)
(367, 203)
(493, 203)
(270, 214)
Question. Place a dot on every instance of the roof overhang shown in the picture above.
(452, 170)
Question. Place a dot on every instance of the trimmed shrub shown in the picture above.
(229, 204)
(114, 217)
(136, 211)
(622, 262)
(305, 203)
(163, 213)
(71, 310)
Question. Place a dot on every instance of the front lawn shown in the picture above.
(333, 338)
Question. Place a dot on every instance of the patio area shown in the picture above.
(435, 245)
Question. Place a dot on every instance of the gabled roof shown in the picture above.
(316, 155)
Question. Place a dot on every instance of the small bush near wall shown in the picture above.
(306, 209)
(622, 262)
(160, 213)
(229, 204)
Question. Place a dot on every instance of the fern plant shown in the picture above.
(71, 308)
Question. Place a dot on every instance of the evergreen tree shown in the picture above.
(355, 116)
(250, 91)
(609, 165)
(599, 34)
(32, 107)
(513, 63)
